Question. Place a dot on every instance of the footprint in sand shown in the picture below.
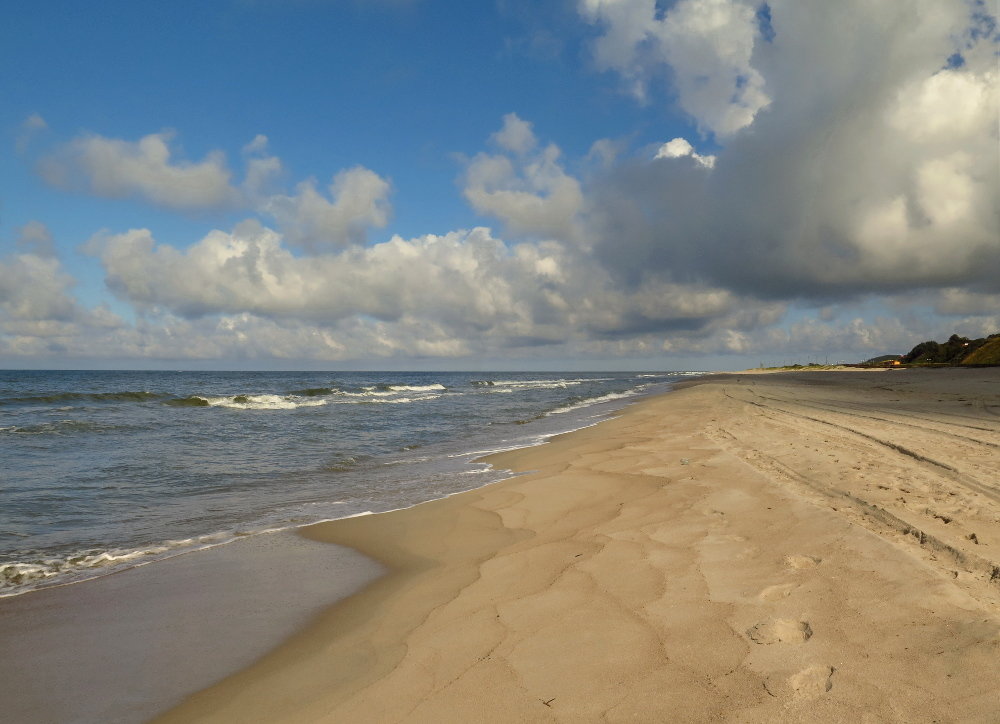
(777, 592)
(812, 681)
(801, 562)
(780, 631)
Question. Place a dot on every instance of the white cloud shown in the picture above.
(707, 44)
(39, 316)
(34, 237)
(358, 199)
(679, 148)
(945, 104)
(463, 292)
(516, 135)
(145, 169)
(868, 178)
(531, 194)
(30, 128)
(257, 145)
(34, 122)
(35, 288)
(865, 177)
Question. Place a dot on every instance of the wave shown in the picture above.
(247, 402)
(124, 396)
(58, 427)
(263, 402)
(342, 464)
(314, 392)
(535, 384)
(415, 388)
(588, 401)
(408, 461)
(20, 576)
(387, 394)
(368, 400)
(388, 389)
(192, 401)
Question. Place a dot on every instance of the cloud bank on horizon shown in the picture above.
(831, 189)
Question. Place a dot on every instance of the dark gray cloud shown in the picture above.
(871, 169)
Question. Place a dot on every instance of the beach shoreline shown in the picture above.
(172, 625)
(732, 550)
(127, 646)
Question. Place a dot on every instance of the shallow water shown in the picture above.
(107, 470)
(125, 647)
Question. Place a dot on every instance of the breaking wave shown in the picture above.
(263, 402)
(506, 385)
(587, 402)
(314, 391)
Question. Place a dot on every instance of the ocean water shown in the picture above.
(105, 470)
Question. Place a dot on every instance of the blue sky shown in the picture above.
(444, 185)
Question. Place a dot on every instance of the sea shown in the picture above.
(106, 470)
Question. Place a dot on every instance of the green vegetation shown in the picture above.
(957, 350)
(987, 354)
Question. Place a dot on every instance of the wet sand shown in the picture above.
(125, 647)
(817, 546)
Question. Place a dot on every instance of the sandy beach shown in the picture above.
(816, 546)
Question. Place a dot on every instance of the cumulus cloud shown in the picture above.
(35, 288)
(516, 135)
(35, 238)
(875, 178)
(358, 199)
(145, 169)
(311, 218)
(38, 312)
(465, 291)
(530, 193)
(869, 177)
(679, 148)
(707, 44)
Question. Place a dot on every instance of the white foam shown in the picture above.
(538, 384)
(593, 401)
(384, 401)
(368, 392)
(263, 402)
(408, 461)
(19, 577)
(478, 453)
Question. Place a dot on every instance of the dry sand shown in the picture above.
(752, 548)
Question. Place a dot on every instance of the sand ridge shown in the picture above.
(746, 549)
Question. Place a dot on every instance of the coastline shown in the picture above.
(171, 626)
(129, 645)
(732, 550)
(284, 461)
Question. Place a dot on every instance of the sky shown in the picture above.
(500, 184)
